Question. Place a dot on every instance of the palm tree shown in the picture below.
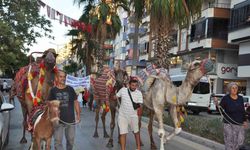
(84, 48)
(105, 21)
(164, 15)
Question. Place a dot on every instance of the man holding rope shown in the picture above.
(68, 104)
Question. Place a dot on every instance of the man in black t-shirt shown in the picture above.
(68, 105)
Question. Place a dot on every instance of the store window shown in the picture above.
(241, 84)
(175, 62)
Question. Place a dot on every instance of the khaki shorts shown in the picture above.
(126, 122)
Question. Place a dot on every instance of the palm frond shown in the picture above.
(73, 32)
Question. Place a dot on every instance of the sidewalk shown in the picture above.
(188, 137)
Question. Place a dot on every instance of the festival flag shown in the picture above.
(52, 14)
(60, 17)
(48, 11)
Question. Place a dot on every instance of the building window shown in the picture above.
(217, 28)
(240, 16)
(198, 31)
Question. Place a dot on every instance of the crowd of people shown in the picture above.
(231, 106)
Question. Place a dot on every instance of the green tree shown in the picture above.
(19, 27)
(105, 21)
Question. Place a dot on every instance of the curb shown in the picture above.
(197, 139)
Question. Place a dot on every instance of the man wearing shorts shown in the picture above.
(127, 114)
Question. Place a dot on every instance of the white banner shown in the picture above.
(78, 81)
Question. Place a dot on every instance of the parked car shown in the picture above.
(212, 108)
(246, 101)
(5, 109)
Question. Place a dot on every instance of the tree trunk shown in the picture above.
(135, 45)
(163, 47)
(150, 45)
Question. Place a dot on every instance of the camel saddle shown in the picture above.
(35, 112)
(21, 78)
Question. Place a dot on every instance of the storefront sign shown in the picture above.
(227, 71)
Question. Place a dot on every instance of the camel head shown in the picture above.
(121, 78)
(50, 58)
(197, 69)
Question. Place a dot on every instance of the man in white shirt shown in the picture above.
(5, 86)
(127, 114)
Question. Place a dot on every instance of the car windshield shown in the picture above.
(200, 88)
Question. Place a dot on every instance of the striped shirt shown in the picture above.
(126, 107)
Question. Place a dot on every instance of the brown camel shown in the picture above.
(163, 90)
(120, 76)
(20, 87)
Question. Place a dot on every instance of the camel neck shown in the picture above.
(186, 91)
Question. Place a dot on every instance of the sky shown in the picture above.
(66, 7)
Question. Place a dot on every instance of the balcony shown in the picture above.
(131, 32)
(217, 5)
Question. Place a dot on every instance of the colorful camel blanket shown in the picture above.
(35, 112)
(103, 85)
(21, 79)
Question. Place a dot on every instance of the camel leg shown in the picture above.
(173, 114)
(24, 111)
(161, 132)
(105, 134)
(150, 130)
(112, 126)
(48, 143)
(97, 110)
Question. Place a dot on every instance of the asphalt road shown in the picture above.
(84, 135)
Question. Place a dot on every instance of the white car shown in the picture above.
(4, 120)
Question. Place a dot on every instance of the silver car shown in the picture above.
(4, 120)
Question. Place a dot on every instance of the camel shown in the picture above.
(163, 91)
(21, 85)
(120, 76)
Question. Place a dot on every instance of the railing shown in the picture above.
(217, 5)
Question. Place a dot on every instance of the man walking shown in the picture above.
(5, 86)
(68, 104)
(128, 112)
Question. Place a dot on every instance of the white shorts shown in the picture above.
(124, 122)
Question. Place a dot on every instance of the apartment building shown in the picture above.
(212, 35)
(207, 37)
(239, 33)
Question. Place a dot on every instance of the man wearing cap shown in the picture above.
(68, 106)
(127, 113)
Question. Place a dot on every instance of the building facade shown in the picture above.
(217, 34)
(239, 33)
